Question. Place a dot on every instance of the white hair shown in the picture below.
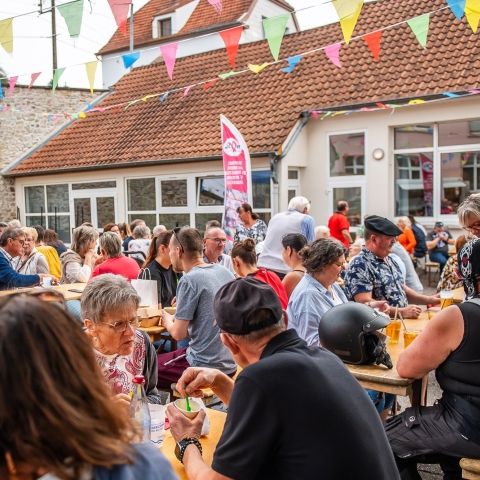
(404, 221)
(321, 231)
(14, 224)
(158, 229)
(299, 204)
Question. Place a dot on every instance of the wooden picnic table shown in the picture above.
(209, 442)
(65, 289)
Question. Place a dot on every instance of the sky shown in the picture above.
(32, 51)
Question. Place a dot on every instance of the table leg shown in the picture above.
(416, 396)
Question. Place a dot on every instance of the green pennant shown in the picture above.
(56, 77)
(419, 26)
(274, 29)
(72, 13)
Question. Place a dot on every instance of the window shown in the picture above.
(141, 194)
(261, 190)
(174, 193)
(164, 27)
(211, 191)
(347, 154)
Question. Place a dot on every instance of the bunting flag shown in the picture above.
(91, 69)
(257, 68)
(217, 5)
(224, 76)
(72, 12)
(120, 10)
(333, 54)
(457, 7)
(419, 26)
(472, 12)
(186, 90)
(56, 77)
(373, 42)
(274, 29)
(163, 97)
(33, 78)
(169, 54)
(292, 63)
(348, 12)
(130, 58)
(209, 84)
(231, 38)
(6, 35)
(1, 94)
(11, 85)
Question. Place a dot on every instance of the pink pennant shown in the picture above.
(216, 4)
(333, 53)
(231, 38)
(186, 91)
(11, 85)
(33, 78)
(169, 54)
(120, 10)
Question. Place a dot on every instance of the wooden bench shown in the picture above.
(432, 269)
(470, 468)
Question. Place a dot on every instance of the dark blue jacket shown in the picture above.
(9, 278)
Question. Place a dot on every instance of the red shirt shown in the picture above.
(336, 223)
(272, 279)
(125, 266)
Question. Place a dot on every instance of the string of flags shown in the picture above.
(275, 29)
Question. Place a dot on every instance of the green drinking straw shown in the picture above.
(189, 408)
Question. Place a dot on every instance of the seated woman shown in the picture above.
(244, 260)
(32, 261)
(115, 262)
(140, 243)
(449, 279)
(50, 253)
(292, 244)
(51, 238)
(160, 267)
(75, 431)
(449, 430)
(109, 313)
(79, 261)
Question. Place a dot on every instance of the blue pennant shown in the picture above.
(292, 63)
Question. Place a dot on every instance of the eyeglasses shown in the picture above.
(340, 264)
(121, 327)
(21, 242)
(219, 241)
(473, 228)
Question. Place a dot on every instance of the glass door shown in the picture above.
(97, 207)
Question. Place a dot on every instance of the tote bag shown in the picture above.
(146, 289)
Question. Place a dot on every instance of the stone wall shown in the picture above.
(27, 123)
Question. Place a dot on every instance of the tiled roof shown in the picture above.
(203, 17)
(265, 107)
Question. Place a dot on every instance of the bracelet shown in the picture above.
(183, 444)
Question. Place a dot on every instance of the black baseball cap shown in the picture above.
(438, 225)
(237, 302)
(381, 225)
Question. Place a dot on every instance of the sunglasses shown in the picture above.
(175, 234)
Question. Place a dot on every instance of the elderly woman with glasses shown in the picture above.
(32, 261)
(109, 313)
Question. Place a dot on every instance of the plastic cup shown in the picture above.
(392, 330)
(446, 298)
(157, 423)
(47, 282)
(409, 337)
(195, 406)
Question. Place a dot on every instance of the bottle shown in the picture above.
(139, 406)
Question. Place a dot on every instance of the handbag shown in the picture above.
(146, 288)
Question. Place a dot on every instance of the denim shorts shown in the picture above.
(382, 401)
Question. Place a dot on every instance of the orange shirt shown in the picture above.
(407, 239)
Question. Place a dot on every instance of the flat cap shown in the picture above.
(382, 225)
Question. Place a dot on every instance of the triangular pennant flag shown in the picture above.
(274, 28)
(56, 77)
(416, 101)
(130, 58)
(224, 76)
(451, 95)
(419, 26)
(457, 7)
(72, 13)
(169, 54)
(120, 10)
(257, 68)
(186, 90)
(6, 35)
(231, 38)
(216, 4)
(91, 69)
(164, 97)
(472, 12)
(292, 63)
(209, 84)
(348, 12)
(373, 42)
(1, 91)
(11, 85)
(33, 77)
(333, 54)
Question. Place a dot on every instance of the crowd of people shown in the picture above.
(255, 305)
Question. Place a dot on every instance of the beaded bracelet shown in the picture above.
(185, 442)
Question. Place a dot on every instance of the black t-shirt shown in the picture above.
(167, 281)
(299, 414)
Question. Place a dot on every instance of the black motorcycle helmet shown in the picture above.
(350, 332)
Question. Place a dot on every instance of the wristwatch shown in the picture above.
(182, 445)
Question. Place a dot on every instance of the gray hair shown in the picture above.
(470, 206)
(321, 253)
(14, 224)
(299, 204)
(321, 231)
(106, 294)
(158, 229)
(12, 233)
(82, 237)
(141, 231)
(111, 243)
(404, 221)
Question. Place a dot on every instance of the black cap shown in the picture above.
(438, 225)
(382, 225)
(237, 302)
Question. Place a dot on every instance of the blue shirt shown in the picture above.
(9, 278)
(381, 277)
(308, 303)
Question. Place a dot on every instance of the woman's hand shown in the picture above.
(90, 258)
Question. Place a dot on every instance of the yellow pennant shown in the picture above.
(472, 12)
(348, 12)
(416, 101)
(6, 35)
(91, 68)
(257, 68)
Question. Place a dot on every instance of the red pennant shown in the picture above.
(373, 42)
(120, 10)
(210, 84)
(231, 38)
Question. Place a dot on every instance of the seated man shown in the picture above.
(450, 429)
(437, 243)
(194, 317)
(293, 413)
